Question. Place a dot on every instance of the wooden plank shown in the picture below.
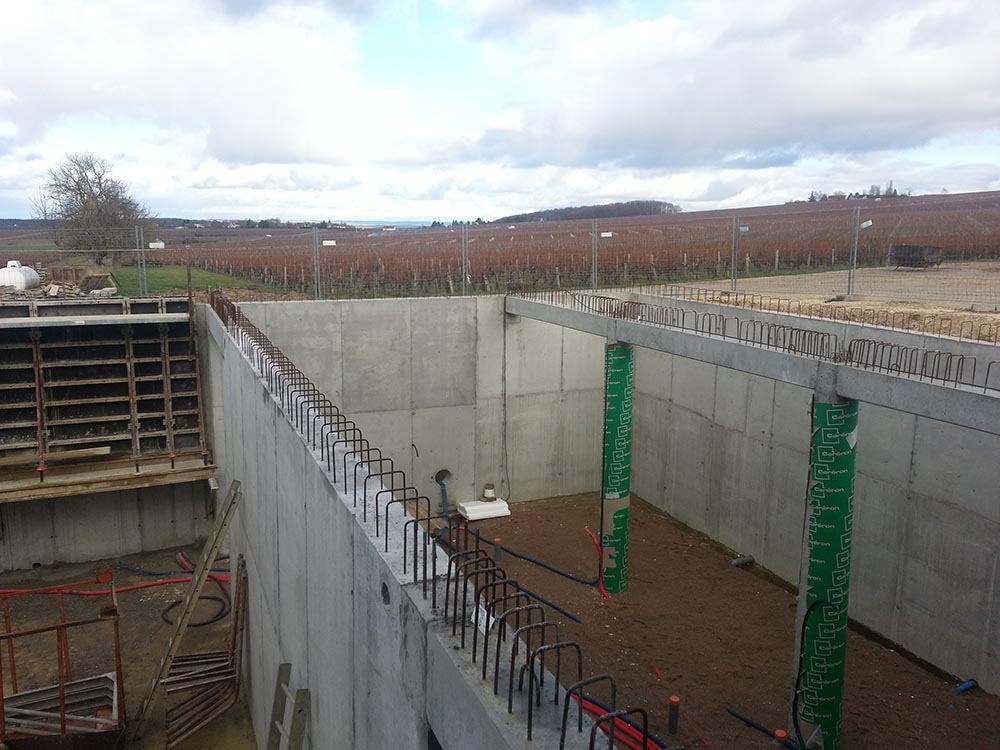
(51, 490)
(103, 450)
(95, 439)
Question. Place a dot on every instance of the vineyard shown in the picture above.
(794, 238)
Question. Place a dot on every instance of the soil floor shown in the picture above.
(692, 625)
(144, 636)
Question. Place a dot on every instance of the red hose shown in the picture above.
(135, 587)
(600, 563)
(620, 726)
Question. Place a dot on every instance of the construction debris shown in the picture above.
(67, 281)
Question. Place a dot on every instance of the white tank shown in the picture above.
(18, 276)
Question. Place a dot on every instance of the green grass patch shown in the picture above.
(161, 279)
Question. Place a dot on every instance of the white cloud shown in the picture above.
(691, 90)
(280, 108)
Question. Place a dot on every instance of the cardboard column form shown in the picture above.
(616, 477)
(830, 522)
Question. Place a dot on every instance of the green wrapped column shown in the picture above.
(830, 522)
(619, 367)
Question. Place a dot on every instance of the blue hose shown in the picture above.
(144, 572)
(532, 594)
(759, 727)
(966, 687)
(541, 564)
(444, 507)
(444, 499)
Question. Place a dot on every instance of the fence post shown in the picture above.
(593, 257)
(317, 289)
(732, 262)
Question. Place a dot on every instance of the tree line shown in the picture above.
(601, 211)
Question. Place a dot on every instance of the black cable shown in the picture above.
(225, 607)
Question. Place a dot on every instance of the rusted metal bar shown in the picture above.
(483, 609)
(577, 689)
(8, 626)
(168, 401)
(199, 388)
(478, 558)
(542, 627)
(454, 560)
(491, 612)
(364, 458)
(402, 502)
(392, 490)
(133, 404)
(612, 716)
(539, 653)
(322, 410)
(36, 363)
(496, 571)
(414, 522)
(355, 439)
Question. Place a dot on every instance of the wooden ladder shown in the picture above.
(293, 735)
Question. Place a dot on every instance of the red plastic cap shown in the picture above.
(496, 540)
(780, 734)
(675, 700)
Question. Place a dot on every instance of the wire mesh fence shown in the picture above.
(917, 249)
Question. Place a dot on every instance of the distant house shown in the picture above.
(389, 229)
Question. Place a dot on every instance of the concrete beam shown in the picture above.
(94, 320)
(960, 405)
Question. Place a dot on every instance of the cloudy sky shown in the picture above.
(441, 109)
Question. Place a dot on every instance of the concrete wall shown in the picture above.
(381, 667)
(723, 451)
(444, 383)
(91, 527)
(727, 453)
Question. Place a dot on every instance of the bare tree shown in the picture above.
(88, 209)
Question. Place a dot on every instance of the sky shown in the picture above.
(456, 109)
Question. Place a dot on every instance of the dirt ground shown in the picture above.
(692, 625)
(144, 636)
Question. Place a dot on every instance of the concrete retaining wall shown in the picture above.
(727, 453)
(382, 669)
(444, 383)
(91, 527)
(723, 451)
